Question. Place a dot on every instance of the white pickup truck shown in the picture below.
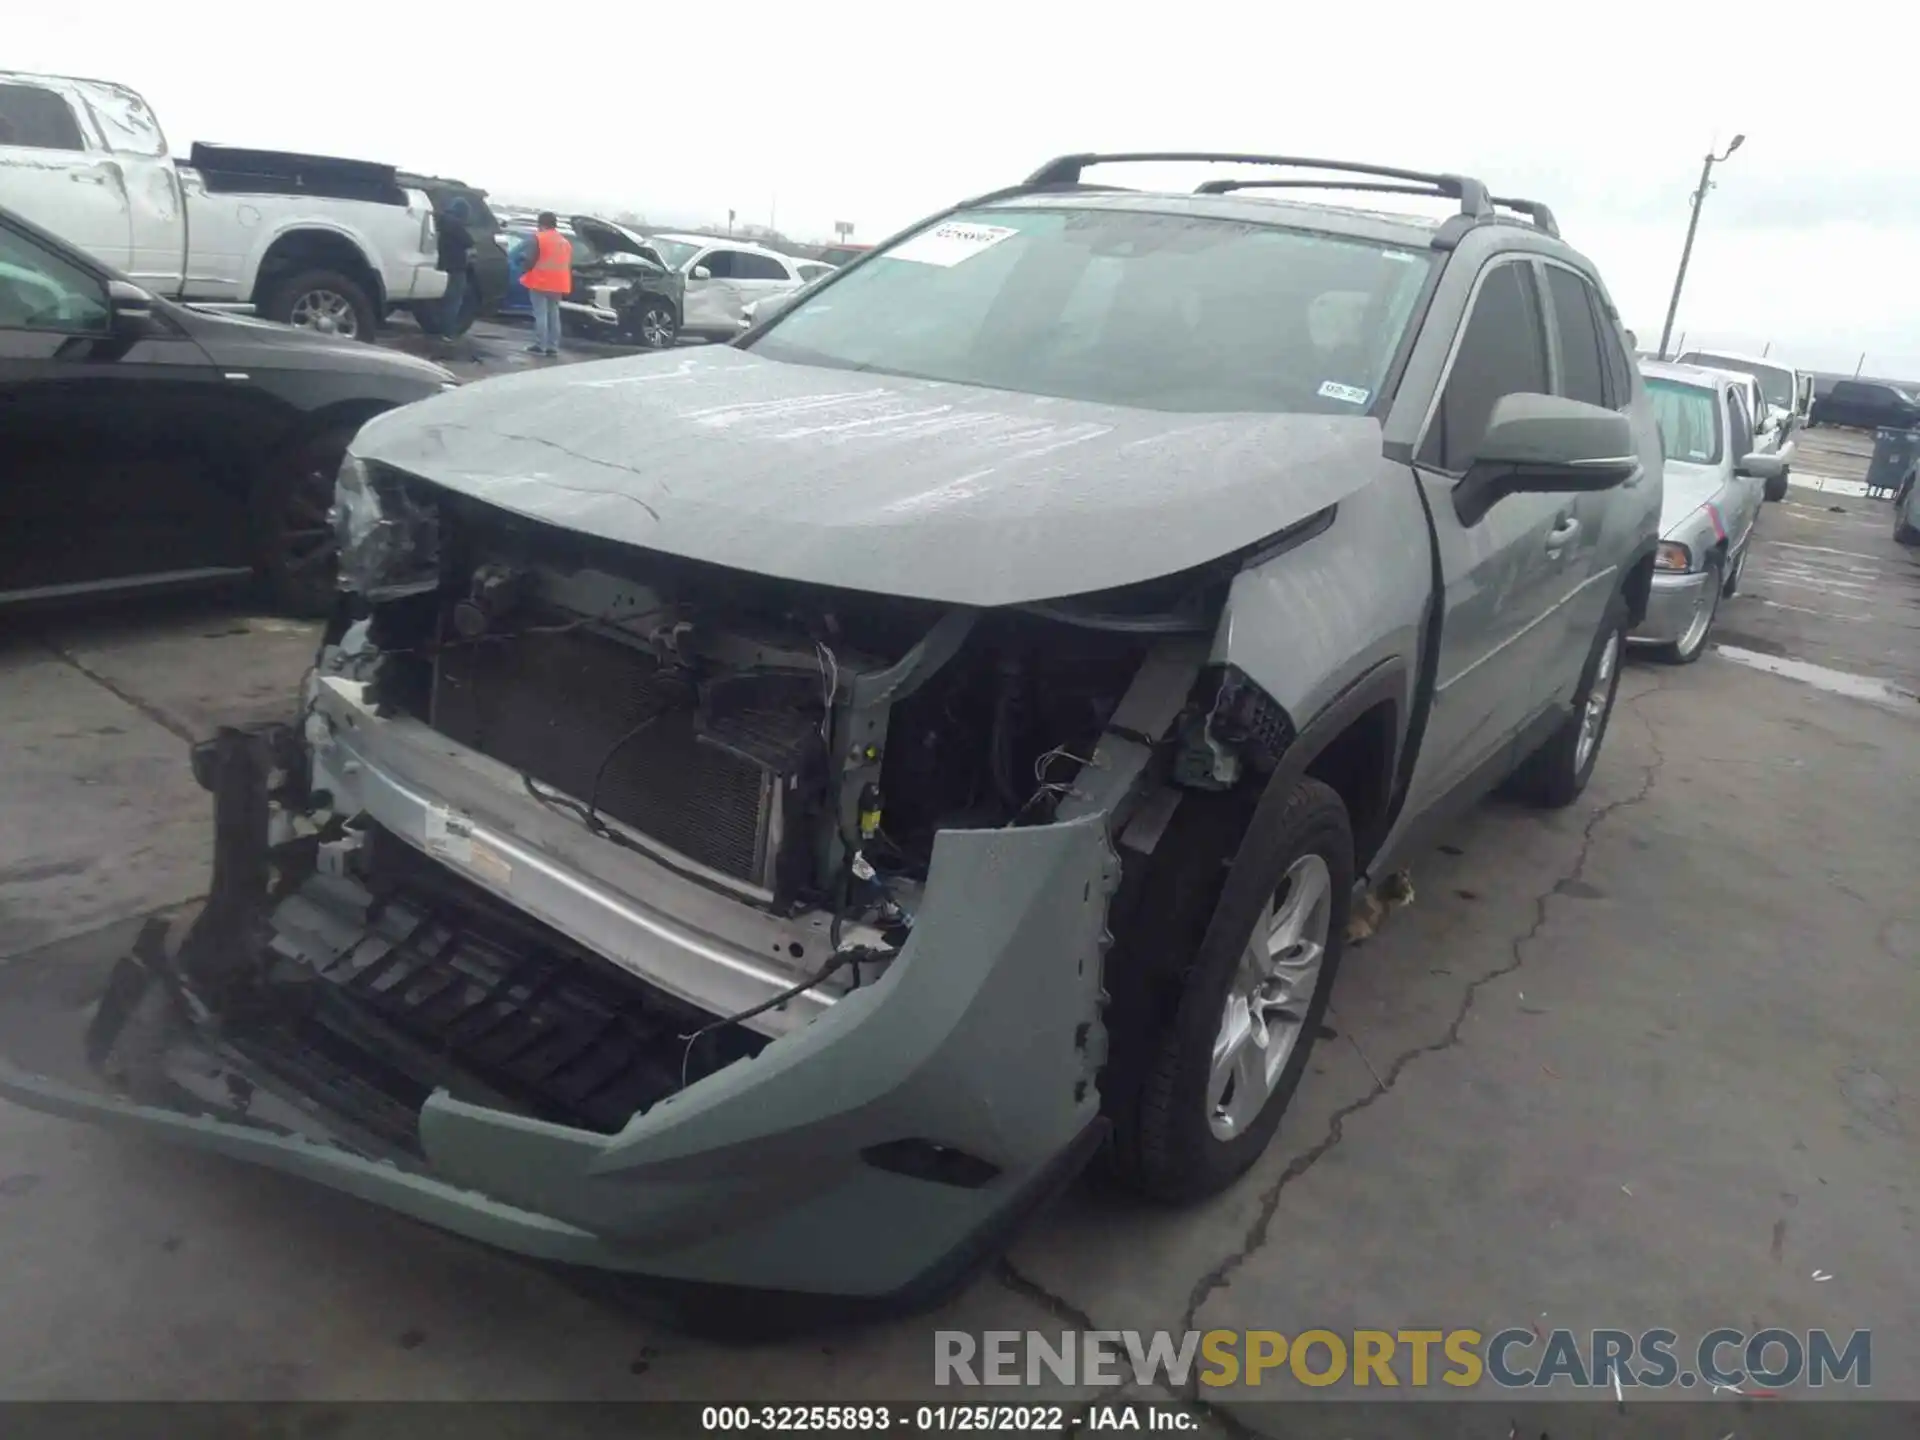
(330, 244)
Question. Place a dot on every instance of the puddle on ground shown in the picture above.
(1835, 682)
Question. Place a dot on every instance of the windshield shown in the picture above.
(1689, 419)
(1160, 312)
(675, 252)
(1776, 384)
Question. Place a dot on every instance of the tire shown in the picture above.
(294, 547)
(324, 300)
(1185, 1136)
(1693, 644)
(651, 323)
(1738, 573)
(1777, 489)
(1903, 533)
(1555, 774)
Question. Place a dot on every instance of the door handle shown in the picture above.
(86, 177)
(1561, 534)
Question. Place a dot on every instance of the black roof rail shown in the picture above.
(1065, 170)
(1539, 214)
(1371, 187)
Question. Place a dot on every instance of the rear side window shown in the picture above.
(1503, 352)
(1614, 355)
(37, 119)
(1582, 373)
(749, 266)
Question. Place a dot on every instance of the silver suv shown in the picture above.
(768, 814)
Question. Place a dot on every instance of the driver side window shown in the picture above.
(1503, 351)
(41, 290)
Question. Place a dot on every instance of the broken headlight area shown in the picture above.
(386, 530)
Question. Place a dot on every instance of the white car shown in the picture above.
(1784, 396)
(724, 277)
(333, 245)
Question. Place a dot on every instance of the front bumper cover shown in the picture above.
(982, 1037)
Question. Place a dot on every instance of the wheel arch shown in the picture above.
(311, 245)
(1637, 586)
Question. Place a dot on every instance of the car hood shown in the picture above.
(880, 483)
(241, 341)
(1684, 489)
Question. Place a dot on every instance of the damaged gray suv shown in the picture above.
(766, 816)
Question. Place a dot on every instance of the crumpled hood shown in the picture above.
(1684, 489)
(870, 482)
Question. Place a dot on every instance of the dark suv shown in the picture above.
(1866, 405)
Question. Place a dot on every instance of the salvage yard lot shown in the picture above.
(1649, 1061)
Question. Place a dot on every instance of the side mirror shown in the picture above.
(768, 306)
(1546, 444)
(1761, 467)
(700, 272)
(132, 308)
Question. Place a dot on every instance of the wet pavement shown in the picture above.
(1647, 1061)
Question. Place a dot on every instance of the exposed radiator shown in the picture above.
(555, 705)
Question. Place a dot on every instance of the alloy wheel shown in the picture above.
(1593, 715)
(327, 311)
(1269, 996)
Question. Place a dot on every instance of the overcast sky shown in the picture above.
(876, 113)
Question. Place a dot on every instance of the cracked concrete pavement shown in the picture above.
(1645, 1061)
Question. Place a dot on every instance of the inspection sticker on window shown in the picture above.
(1352, 394)
(450, 837)
(950, 243)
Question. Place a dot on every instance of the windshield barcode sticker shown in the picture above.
(950, 243)
(1352, 394)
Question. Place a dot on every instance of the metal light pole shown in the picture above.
(1699, 198)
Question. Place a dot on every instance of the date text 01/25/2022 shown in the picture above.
(973, 1419)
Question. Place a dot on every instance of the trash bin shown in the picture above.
(1894, 454)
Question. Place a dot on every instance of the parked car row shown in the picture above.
(327, 244)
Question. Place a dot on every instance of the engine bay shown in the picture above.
(795, 747)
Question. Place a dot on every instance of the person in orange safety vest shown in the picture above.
(548, 277)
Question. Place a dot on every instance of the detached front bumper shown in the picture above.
(875, 1153)
(1670, 607)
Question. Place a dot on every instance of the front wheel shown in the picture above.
(1220, 1074)
(294, 545)
(1692, 643)
(1555, 774)
(322, 300)
(651, 323)
(1777, 489)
